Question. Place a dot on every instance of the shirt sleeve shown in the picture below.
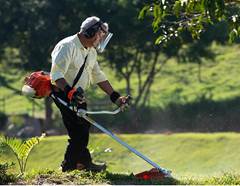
(97, 74)
(61, 57)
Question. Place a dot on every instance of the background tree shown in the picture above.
(135, 55)
(170, 17)
(33, 27)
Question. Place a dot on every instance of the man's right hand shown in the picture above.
(76, 97)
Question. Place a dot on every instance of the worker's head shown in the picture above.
(96, 32)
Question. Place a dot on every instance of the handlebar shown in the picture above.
(82, 112)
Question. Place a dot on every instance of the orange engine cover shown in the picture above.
(40, 82)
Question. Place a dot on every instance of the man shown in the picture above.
(68, 57)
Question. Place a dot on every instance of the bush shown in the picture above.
(6, 178)
(3, 120)
(21, 149)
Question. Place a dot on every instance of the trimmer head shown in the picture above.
(153, 174)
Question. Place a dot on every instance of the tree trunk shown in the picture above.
(128, 88)
(48, 113)
(199, 72)
(134, 119)
(147, 93)
(148, 80)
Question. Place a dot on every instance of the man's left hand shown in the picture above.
(123, 102)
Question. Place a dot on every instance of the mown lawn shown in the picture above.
(77, 177)
(188, 155)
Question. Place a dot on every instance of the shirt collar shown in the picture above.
(80, 45)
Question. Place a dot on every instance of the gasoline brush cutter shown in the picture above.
(157, 173)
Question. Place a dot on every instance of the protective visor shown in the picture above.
(101, 46)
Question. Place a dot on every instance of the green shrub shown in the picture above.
(6, 178)
(3, 120)
(21, 149)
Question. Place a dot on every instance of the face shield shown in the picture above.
(105, 36)
(104, 41)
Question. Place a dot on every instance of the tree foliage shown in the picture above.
(171, 18)
(134, 53)
(31, 28)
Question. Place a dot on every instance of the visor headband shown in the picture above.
(92, 30)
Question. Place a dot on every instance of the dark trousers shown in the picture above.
(78, 131)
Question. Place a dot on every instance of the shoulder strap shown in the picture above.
(79, 72)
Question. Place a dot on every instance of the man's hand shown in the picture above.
(123, 102)
(76, 96)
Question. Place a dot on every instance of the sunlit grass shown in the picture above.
(193, 155)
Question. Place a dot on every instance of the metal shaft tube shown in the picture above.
(82, 113)
(125, 144)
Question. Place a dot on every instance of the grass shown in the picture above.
(194, 158)
(80, 177)
(187, 155)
